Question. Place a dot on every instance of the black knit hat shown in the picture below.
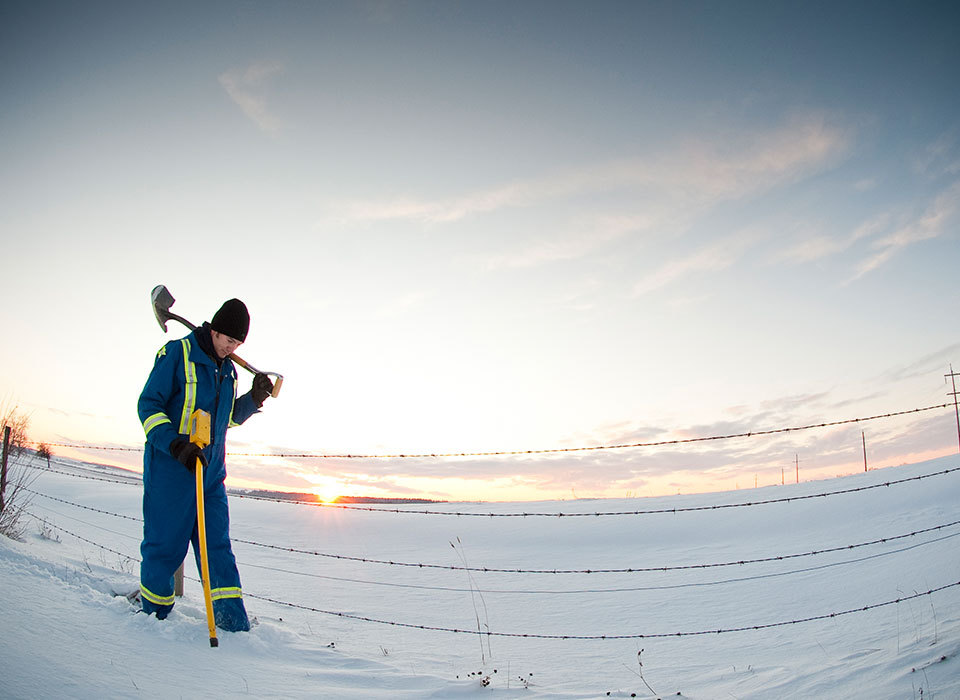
(232, 319)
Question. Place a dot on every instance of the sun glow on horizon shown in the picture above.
(326, 488)
(326, 495)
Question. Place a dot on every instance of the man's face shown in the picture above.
(223, 345)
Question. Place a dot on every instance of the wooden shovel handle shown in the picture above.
(253, 370)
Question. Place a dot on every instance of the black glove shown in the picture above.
(187, 453)
(262, 388)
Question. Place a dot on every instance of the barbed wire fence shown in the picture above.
(942, 529)
(949, 528)
(595, 637)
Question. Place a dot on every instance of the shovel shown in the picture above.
(162, 301)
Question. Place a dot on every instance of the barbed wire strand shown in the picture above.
(550, 450)
(628, 589)
(83, 539)
(135, 538)
(632, 570)
(468, 514)
(90, 468)
(391, 584)
(664, 635)
(655, 511)
(604, 637)
(51, 470)
(79, 505)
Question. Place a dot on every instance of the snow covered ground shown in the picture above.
(63, 633)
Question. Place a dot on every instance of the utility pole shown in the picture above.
(864, 438)
(797, 458)
(956, 407)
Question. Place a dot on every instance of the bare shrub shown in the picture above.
(14, 498)
(43, 452)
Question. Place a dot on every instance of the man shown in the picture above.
(194, 372)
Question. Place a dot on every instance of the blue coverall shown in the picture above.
(185, 378)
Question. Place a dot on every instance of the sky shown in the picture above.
(486, 227)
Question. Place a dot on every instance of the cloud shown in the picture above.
(884, 244)
(931, 224)
(666, 193)
(245, 88)
(926, 366)
(717, 256)
(583, 240)
(694, 175)
(514, 194)
(737, 166)
(939, 157)
(819, 247)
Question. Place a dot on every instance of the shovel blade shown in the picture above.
(162, 300)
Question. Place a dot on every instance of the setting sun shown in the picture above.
(326, 488)
(326, 495)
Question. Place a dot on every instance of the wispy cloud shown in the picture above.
(585, 238)
(246, 89)
(866, 184)
(931, 224)
(711, 258)
(692, 175)
(514, 194)
(820, 246)
(926, 366)
(749, 163)
(884, 236)
(940, 157)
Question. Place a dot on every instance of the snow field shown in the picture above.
(72, 637)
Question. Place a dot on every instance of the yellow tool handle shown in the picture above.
(200, 435)
(204, 564)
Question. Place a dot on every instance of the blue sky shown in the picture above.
(473, 227)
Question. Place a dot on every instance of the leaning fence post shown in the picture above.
(3, 468)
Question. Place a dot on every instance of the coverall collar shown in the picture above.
(205, 341)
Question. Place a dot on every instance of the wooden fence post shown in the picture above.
(178, 582)
(3, 468)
